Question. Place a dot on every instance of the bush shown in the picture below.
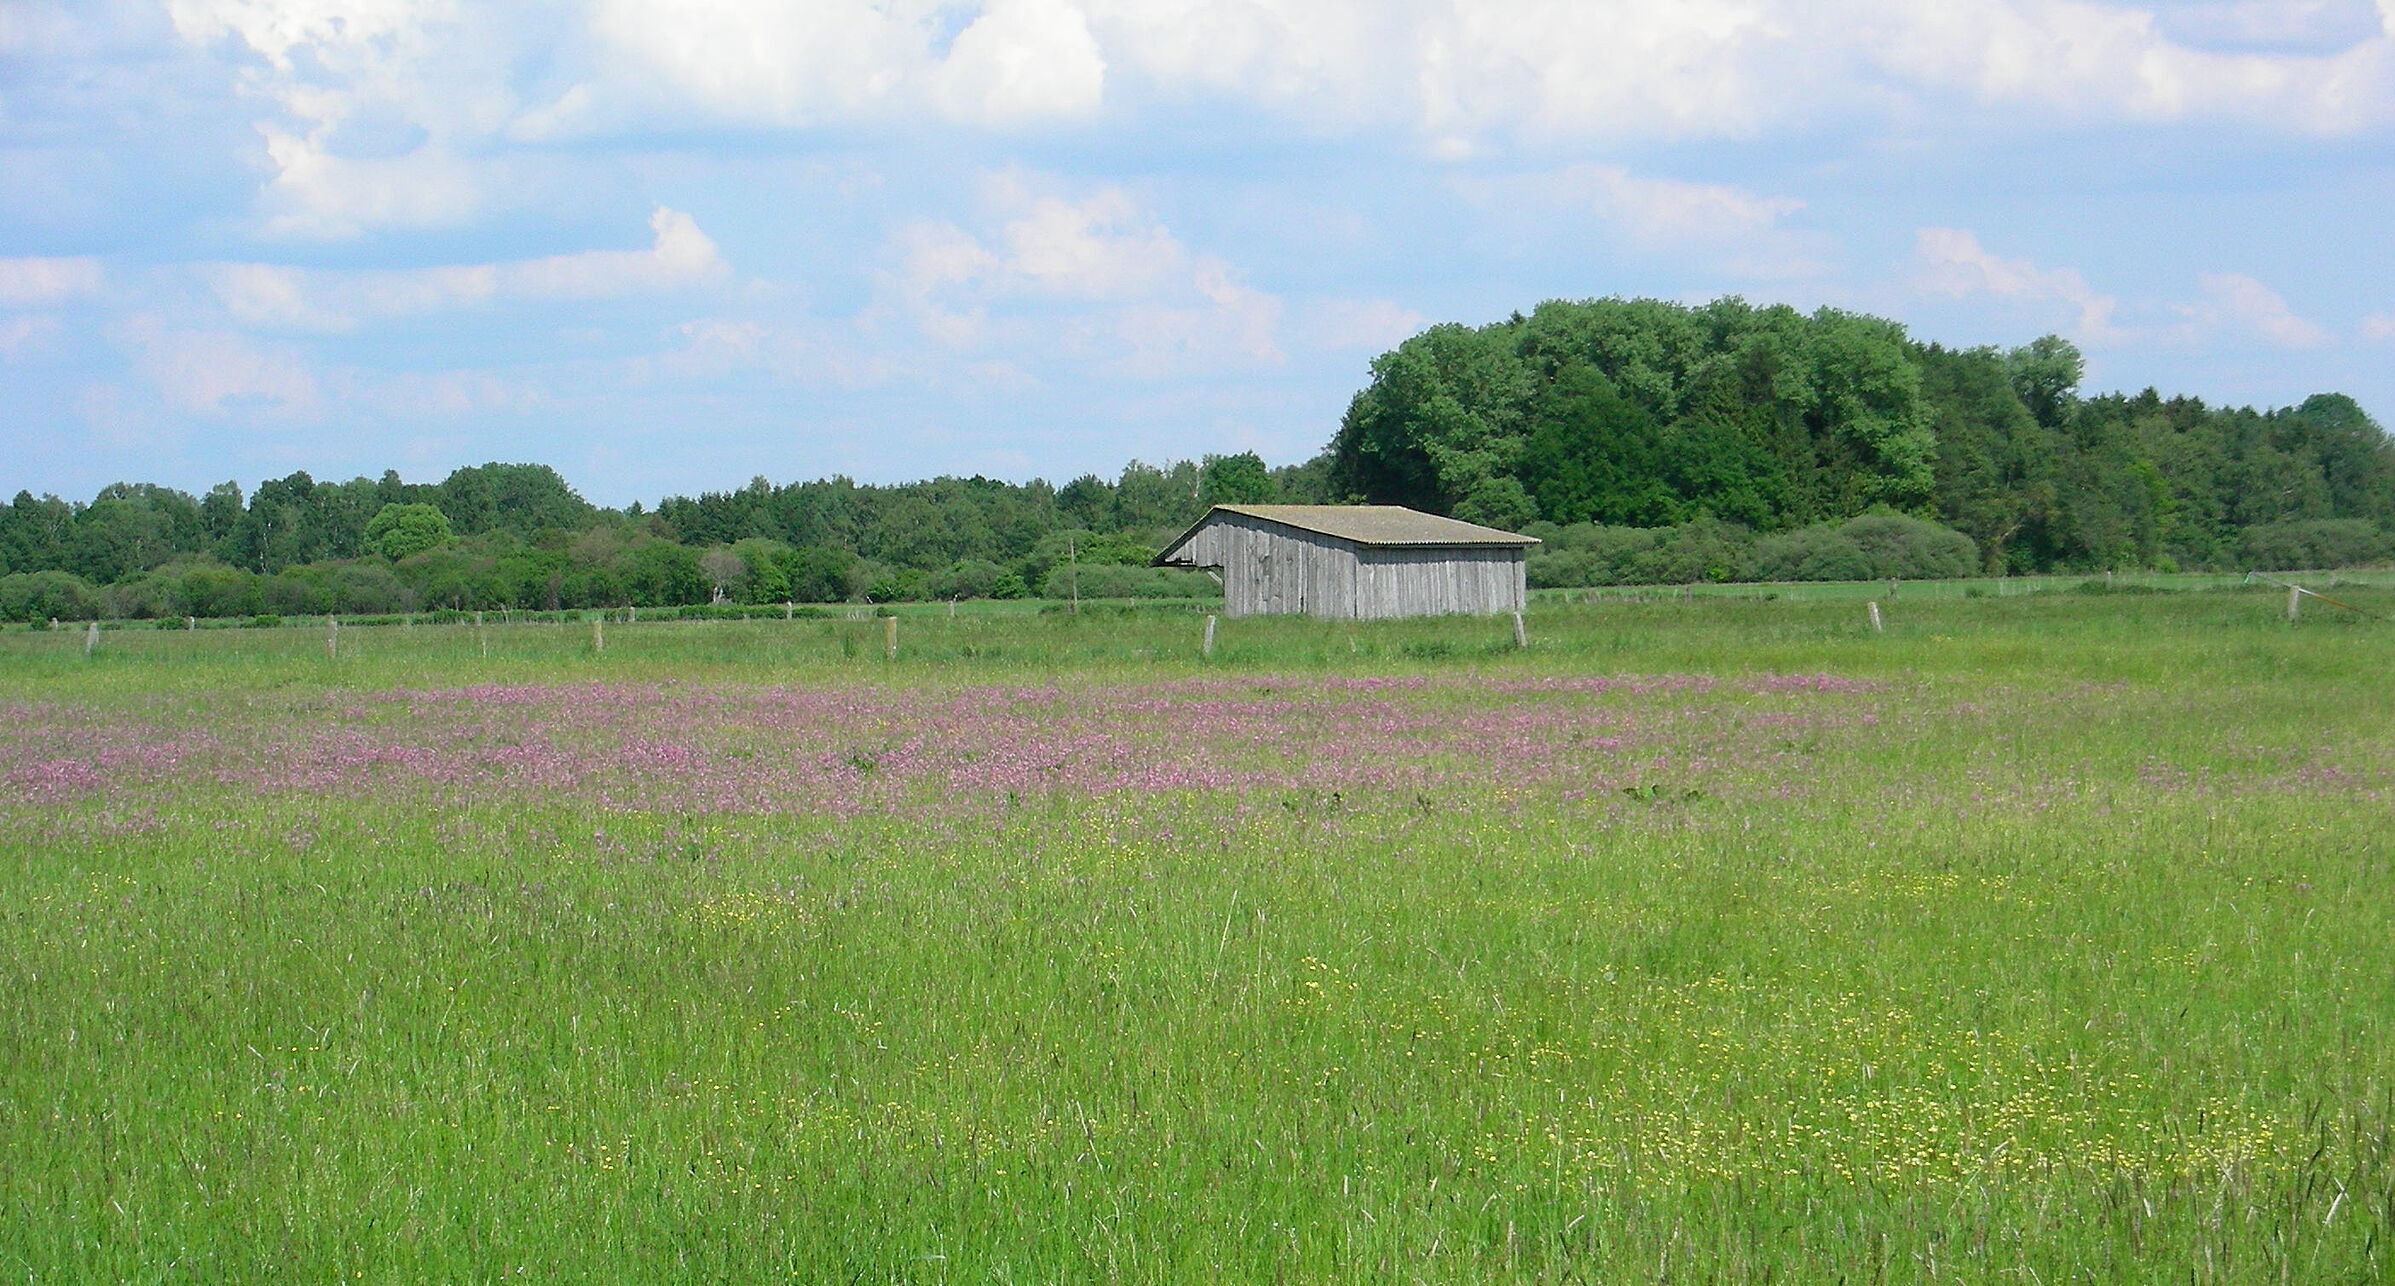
(1879, 546)
(46, 596)
(2323, 542)
(1911, 549)
(970, 578)
(1590, 554)
(1808, 553)
(1117, 581)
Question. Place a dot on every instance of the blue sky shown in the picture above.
(667, 245)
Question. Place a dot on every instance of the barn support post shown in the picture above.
(1206, 641)
(1877, 626)
(1521, 632)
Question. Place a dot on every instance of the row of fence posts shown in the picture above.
(598, 629)
(598, 633)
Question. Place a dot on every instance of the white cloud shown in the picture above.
(2235, 305)
(1371, 325)
(2379, 325)
(316, 193)
(222, 373)
(26, 334)
(1023, 60)
(1457, 73)
(1461, 70)
(1951, 262)
(1096, 276)
(679, 255)
(1734, 229)
(37, 281)
(376, 104)
(1013, 62)
(779, 64)
(2283, 24)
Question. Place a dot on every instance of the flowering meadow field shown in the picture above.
(2042, 939)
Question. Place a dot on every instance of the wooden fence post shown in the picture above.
(332, 638)
(1877, 626)
(598, 635)
(1521, 632)
(2295, 603)
(786, 609)
(1206, 644)
(91, 639)
(889, 638)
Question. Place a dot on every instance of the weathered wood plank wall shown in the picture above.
(1268, 568)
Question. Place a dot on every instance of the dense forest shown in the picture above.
(1644, 441)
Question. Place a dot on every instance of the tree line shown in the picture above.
(1645, 441)
(501, 536)
(1647, 415)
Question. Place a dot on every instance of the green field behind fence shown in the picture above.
(2036, 938)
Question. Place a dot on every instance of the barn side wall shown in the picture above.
(1439, 582)
(1268, 569)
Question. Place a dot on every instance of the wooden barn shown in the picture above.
(1352, 562)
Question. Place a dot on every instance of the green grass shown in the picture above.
(2047, 941)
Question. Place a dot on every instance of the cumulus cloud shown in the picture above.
(24, 335)
(1013, 62)
(220, 372)
(1952, 262)
(38, 282)
(1458, 73)
(1097, 274)
(1729, 227)
(2273, 24)
(679, 255)
(1369, 325)
(1022, 60)
(1459, 70)
(713, 348)
(2237, 306)
(374, 104)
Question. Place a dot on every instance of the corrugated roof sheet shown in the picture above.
(1384, 525)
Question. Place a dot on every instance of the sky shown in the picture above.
(670, 245)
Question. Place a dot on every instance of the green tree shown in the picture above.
(2045, 374)
(1238, 479)
(404, 530)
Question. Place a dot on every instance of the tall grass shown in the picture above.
(2034, 940)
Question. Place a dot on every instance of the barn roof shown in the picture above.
(1381, 525)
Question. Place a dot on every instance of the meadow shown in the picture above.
(2037, 939)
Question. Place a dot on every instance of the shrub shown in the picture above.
(45, 596)
(1809, 553)
(2321, 542)
(1876, 546)
(1117, 581)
